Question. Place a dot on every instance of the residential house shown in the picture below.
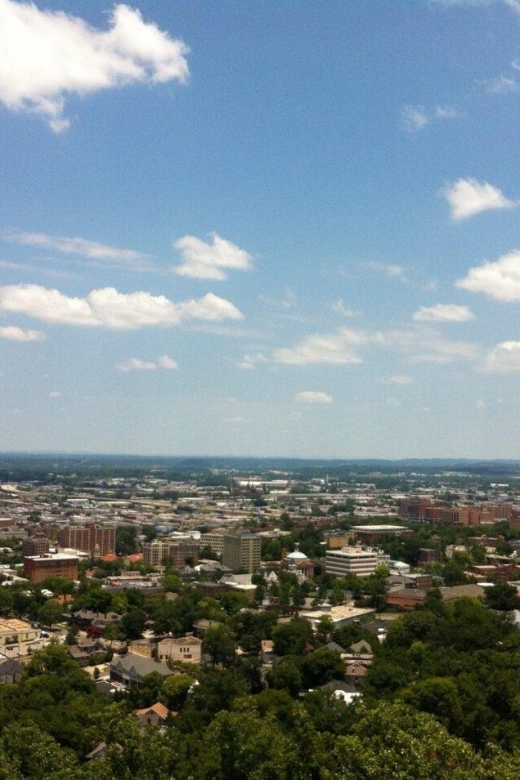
(131, 669)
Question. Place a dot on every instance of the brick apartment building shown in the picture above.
(38, 567)
(35, 545)
(94, 539)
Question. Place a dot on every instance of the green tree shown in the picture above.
(50, 613)
(293, 637)
(219, 642)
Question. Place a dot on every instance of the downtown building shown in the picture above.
(242, 552)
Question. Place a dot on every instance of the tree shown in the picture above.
(175, 690)
(219, 643)
(293, 637)
(286, 676)
(322, 666)
(502, 596)
(51, 612)
(132, 624)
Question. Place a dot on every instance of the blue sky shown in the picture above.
(271, 228)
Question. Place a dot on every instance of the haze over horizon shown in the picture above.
(282, 229)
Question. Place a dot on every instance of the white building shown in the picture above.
(361, 561)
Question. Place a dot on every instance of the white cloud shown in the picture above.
(285, 303)
(92, 250)
(514, 5)
(480, 405)
(387, 269)
(468, 197)
(168, 363)
(415, 118)
(503, 359)
(426, 346)
(447, 112)
(54, 394)
(443, 312)
(399, 379)
(500, 85)
(338, 348)
(235, 420)
(344, 311)
(343, 347)
(13, 333)
(248, 362)
(135, 364)
(208, 260)
(48, 55)
(499, 279)
(314, 397)
(109, 308)
(393, 402)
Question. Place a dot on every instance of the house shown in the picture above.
(185, 649)
(341, 690)
(156, 715)
(131, 669)
(10, 671)
(361, 648)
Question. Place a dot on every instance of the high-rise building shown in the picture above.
(242, 552)
(158, 552)
(94, 539)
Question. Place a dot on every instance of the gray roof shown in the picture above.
(141, 665)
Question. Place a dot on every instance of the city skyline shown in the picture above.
(274, 230)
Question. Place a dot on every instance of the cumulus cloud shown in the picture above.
(111, 309)
(499, 279)
(210, 260)
(443, 312)
(13, 333)
(168, 363)
(503, 359)
(92, 250)
(314, 397)
(135, 364)
(468, 197)
(338, 348)
(48, 55)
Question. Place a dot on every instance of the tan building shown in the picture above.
(185, 649)
(215, 540)
(242, 552)
(13, 631)
(38, 567)
(156, 553)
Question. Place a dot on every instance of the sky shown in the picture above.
(272, 229)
